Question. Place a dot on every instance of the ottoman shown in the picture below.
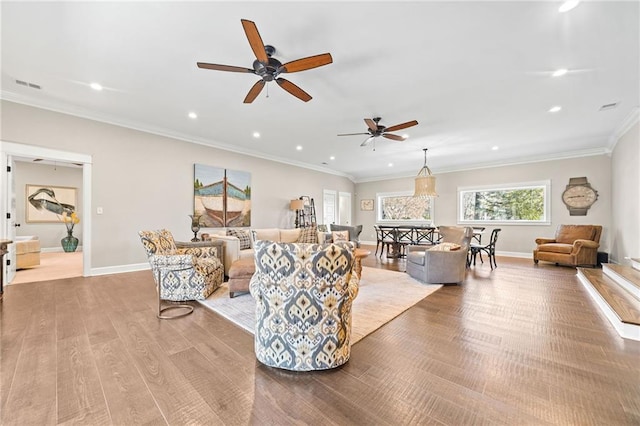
(27, 252)
(240, 274)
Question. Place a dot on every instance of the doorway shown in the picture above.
(9, 152)
(344, 210)
(329, 210)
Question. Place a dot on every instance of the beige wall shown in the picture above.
(513, 239)
(625, 179)
(25, 173)
(145, 181)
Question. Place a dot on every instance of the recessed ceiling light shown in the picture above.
(555, 108)
(390, 164)
(193, 115)
(299, 148)
(560, 72)
(256, 135)
(96, 86)
(568, 5)
(332, 158)
(494, 148)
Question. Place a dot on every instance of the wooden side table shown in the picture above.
(360, 254)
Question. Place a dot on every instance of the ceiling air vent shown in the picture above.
(607, 107)
(27, 84)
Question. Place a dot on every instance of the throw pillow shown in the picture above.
(340, 236)
(308, 235)
(445, 247)
(243, 236)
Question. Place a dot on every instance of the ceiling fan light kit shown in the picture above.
(269, 68)
(425, 182)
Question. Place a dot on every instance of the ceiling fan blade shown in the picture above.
(353, 134)
(254, 92)
(224, 67)
(255, 40)
(371, 124)
(366, 142)
(401, 126)
(394, 137)
(307, 63)
(293, 89)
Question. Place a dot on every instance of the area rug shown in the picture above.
(383, 295)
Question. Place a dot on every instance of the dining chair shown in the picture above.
(388, 236)
(404, 238)
(477, 237)
(477, 233)
(489, 249)
(379, 242)
(423, 236)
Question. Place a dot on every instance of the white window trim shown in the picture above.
(507, 186)
(379, 220)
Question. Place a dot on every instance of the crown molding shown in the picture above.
(625, 126)
(159, 131)
(525, 160)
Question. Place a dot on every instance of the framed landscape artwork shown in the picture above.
(222, 197)
(366, 205)
(45, 203)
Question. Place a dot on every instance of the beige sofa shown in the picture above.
(232, 251)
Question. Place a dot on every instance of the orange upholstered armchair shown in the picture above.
(575, 245)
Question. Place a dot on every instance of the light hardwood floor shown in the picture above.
(520, 345)
(53, 265)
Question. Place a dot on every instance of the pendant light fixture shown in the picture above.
(425, 182)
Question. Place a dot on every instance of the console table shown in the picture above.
(3, 250)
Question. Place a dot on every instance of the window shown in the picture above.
(516, 204)
(403, 207)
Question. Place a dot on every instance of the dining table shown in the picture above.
(397, 237)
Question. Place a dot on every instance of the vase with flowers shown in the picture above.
(69, 243)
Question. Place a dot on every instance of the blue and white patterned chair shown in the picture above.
(182, 272)
(303, 295)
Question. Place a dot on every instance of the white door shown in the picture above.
(345, 208)
(329, 211)
(10, 232)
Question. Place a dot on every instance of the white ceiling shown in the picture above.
(474, 74)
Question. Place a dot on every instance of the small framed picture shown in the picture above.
(366, 205)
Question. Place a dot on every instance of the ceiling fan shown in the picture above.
(269, 68)
(375, 129)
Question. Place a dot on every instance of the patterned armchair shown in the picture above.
(185, 271)
(303, 295)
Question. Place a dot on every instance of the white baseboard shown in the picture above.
(527, 255)
(120, 269)
(56, 249)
